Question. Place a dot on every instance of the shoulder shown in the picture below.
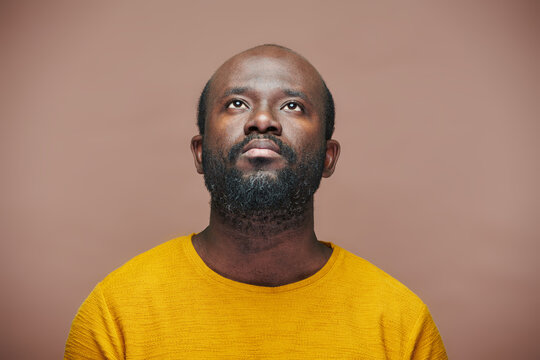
(372, 283)
(402, 318)
(149, 268)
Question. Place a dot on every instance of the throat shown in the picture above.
(262, 225)
(262, 247)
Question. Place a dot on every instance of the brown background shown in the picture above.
(437, 114)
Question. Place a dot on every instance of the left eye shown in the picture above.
(292, 106)
(236, 104)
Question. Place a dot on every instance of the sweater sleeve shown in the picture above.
(94, 332)
(425, 342)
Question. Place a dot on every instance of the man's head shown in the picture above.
(329, 107)
(265, 135)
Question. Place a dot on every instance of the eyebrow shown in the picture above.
(296, 93)
(235, 91)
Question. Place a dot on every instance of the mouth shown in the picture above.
(261, 148)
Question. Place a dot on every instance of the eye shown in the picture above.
(292, 106)
(236, 104)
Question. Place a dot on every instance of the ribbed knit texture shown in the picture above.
(167, 304)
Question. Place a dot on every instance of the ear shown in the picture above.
(332, 154)
(196, 149)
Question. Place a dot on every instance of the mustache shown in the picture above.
(286, 151)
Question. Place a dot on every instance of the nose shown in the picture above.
(262, 121)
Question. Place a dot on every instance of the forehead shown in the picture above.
(269, 71)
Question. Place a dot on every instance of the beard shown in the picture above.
(264, 201)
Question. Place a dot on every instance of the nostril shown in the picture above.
(254, 128)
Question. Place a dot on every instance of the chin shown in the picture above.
(261, 174)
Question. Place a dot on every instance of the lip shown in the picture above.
(263, 144)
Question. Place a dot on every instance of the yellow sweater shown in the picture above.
(167, 304)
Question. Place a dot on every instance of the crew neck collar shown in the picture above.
(215, 277)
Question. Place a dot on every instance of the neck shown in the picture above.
(262, 249)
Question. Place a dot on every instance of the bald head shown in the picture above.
(263, 58)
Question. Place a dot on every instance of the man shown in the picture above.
(256, 283)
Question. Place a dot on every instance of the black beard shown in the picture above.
(263, 203)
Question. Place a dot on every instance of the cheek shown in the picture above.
(304, 135)
(221, 142)
(223, 130)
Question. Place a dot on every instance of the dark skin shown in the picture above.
(264, 90)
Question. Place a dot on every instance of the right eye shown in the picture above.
(237, 104)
